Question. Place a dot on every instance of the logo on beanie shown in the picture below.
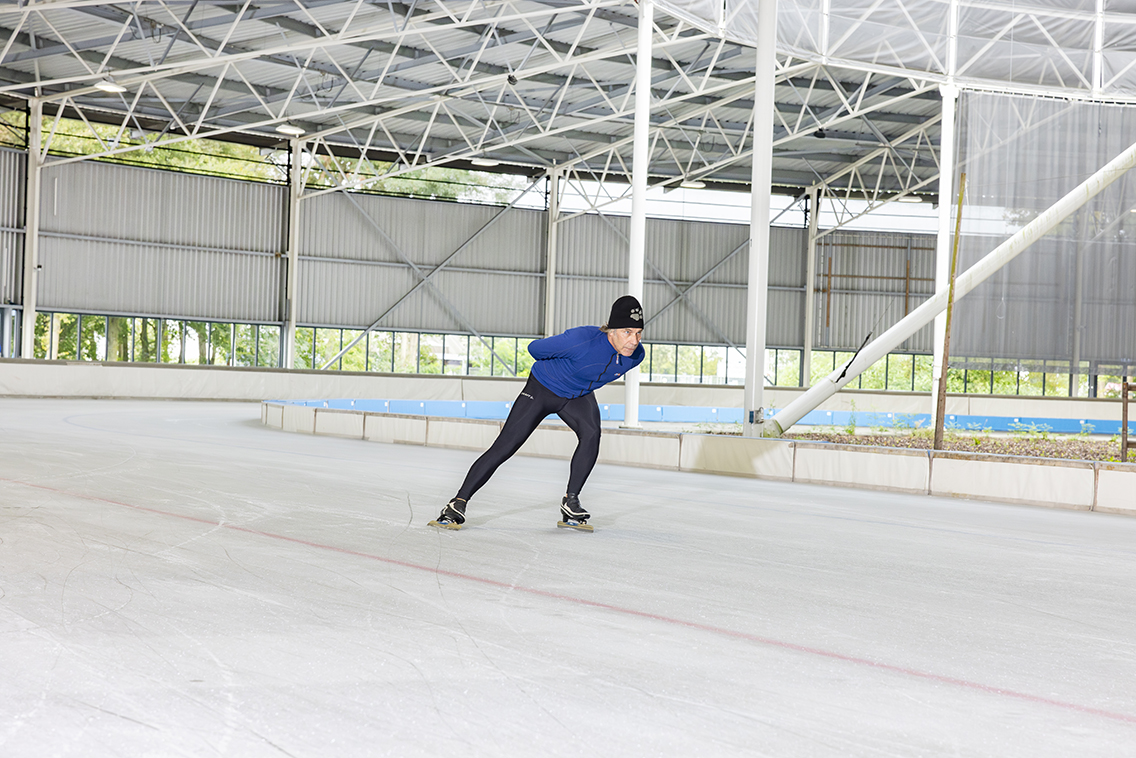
(636, 314)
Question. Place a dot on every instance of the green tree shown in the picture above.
(118, 339)
(406, 352)
(524, 359)
(354, 359)
(380, 346)
(268, 339)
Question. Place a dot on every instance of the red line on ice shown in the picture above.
(965, 683)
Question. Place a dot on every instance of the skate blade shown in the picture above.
(451, 525)
(581, 526)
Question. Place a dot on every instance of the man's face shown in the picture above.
(625, 340)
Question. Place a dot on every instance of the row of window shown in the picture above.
(68, 336)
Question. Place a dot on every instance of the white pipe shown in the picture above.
(810, 289)
(639, 159)
(295, 189)
(975, 275)
(761, 178)
(31, 229)
(550, 271)
(943, 240)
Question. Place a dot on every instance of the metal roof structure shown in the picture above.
(529, 84)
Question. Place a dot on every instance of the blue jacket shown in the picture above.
(579, 361)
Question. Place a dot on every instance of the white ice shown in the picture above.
(178, 580)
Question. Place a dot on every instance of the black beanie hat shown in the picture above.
(625, 313)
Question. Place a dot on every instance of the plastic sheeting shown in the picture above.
(1071, 297)
(1025, 46)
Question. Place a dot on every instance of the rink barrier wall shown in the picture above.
(1077, 485)
(677, 403)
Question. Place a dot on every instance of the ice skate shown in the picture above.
(573, 515)
(452, 515)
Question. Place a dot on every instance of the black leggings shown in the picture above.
(535, 402)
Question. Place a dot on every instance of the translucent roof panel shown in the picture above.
(1058, 47)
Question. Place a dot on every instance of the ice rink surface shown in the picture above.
(178, 580)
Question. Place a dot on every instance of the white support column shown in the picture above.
(639, 163)
(943, 240)
(1079, 301)
(554, 176)
(295, 188)
(6, 333)
(810, 289)
(31, 228)
(760, 182)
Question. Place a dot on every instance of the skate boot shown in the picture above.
(573, 514)
(452, 515)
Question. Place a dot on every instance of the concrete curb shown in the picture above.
(1075, 485)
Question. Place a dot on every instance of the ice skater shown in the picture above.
(569, 368)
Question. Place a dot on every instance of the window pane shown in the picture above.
(875, 376)
(118, 339)
(268, 353)
(714, 365)
(662, 363)
(354, 359)
(430, 354)
(197, 343)
(146, 340)
(1030, 383)
(220, 339)
(978, 382)
(93, 344)
(479, 356)
(454, 348)
(504, 355)
(327, 345)
(524, 359)
(405, 353)
(1107, 386)
(65, 331)
(1057, 384)
(899, 372)
(379, 344)
(42, 344)
(735, 366)
(171, 341)
(788, 368)
(956, 380)
(244, 352)
(689, 358)
(821, 365)
(923, 372)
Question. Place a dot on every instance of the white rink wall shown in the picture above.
(1076, 485)
(21, 378)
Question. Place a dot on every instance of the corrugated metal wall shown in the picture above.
(354, 253)
(12, 182)
(126, 240)
(592, 272)
(867, 281)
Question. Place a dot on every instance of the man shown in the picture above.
(569, 368)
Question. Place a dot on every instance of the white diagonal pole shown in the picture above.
(975, 275)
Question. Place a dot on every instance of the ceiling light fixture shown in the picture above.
(109, 85)
(485, 162)
(693, 184)
(910, 199)
(290, 129)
